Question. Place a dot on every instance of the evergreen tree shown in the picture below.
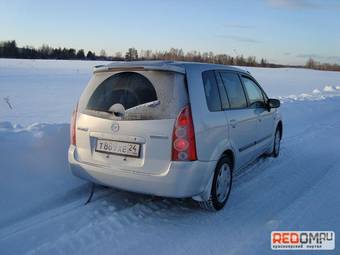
(9, 49)
(80, 54)
(71, 53)
(90, 55)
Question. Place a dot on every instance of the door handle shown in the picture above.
(232, 123)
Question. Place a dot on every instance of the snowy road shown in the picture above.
(298, 191)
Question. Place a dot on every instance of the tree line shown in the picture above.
(313, 64)
(9, 49)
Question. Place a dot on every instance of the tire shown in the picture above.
(221, 186)
(276, 144)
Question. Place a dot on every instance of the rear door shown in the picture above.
(242, 121)
(126, 119)
(210, 118)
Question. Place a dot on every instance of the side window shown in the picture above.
(254, 93)
(233, 86)
(211, 91)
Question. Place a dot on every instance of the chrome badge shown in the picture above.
(115, 127)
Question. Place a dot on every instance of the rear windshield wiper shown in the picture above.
(148, 104)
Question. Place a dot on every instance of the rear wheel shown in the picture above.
(221, 186)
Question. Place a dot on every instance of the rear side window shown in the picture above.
(235, 92)
(211, 91)
(129, 89)
(140, 95)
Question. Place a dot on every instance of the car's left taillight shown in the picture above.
(73, 126)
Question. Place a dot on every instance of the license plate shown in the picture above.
(119, 148)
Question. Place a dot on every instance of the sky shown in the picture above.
(281, 31)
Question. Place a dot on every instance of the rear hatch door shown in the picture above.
(126, 119)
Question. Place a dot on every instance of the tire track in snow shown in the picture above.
(51, 213)
(106, 222)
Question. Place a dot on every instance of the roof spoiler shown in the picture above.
(117, 68)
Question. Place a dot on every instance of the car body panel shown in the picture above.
(181, 179)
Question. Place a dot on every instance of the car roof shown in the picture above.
(175, 66)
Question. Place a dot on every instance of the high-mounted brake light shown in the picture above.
(73, 126)
(183, 138)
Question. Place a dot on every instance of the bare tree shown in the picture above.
(102, 53)
(311, 63)
(131, 54)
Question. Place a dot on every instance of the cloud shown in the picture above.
(334, 58)
(304, 5)
(239, 26)
(309, 56)
(239, 38)
(294, 4)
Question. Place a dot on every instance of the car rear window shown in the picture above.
(129, 89)
(143, 95)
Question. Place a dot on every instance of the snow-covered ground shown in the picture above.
(41, 90)
(41, 203)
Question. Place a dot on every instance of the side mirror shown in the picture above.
(273, 103)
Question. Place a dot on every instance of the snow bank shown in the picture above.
(328, 88)
(34, 169)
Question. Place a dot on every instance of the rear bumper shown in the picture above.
(182, 179)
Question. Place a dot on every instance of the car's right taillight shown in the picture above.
(73, 126)
(183, 138)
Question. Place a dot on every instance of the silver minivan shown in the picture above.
(172, 129)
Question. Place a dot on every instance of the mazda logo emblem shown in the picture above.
(115, 127)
